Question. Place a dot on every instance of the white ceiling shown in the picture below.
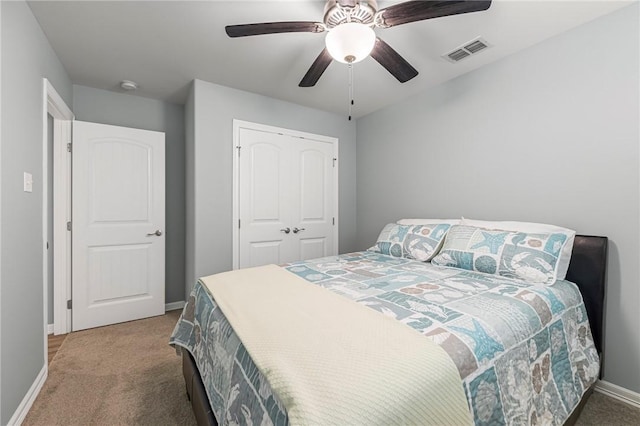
(164, 45)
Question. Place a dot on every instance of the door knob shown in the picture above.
(157, 233)
(286, 230)
(296, 230)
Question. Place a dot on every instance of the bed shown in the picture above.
(540, 344)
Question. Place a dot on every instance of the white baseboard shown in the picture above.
(49, 328)
(27, 401)
(174, 306)
(618, 392)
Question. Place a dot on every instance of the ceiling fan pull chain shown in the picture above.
(350, 89)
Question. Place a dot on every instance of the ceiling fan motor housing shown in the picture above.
(363, 12)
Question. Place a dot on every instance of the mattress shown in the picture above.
(525, 353)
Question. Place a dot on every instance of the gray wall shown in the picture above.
(27, 57)
(547, 135)
(215, 107)
(119, 109)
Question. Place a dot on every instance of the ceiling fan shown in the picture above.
(350, 37)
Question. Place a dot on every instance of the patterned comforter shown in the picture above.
(525, 353)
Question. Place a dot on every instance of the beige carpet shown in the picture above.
(603, 410)
(126, 374)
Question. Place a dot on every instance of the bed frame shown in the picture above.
(587, 269)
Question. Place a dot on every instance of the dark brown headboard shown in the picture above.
(588, 269)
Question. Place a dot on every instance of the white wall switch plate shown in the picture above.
(28, 182)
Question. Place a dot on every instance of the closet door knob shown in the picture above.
(296, 230)
(157, 233)
(286, 230)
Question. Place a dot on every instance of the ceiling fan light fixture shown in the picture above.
(350, 42)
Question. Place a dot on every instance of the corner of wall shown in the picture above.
(190, 183)
(1, 127)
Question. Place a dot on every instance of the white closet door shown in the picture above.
(118, 224)
(265, 199)
(285, 198)
(312, 198)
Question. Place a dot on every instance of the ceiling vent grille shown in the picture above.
(470, 48)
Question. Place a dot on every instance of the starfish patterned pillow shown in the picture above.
(419, 242)
(532, 258)
(532, 228)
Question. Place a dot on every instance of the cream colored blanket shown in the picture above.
(332, 361)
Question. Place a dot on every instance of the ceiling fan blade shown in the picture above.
(245, 30)
(393, 62)
(317, 68)
(412, 11)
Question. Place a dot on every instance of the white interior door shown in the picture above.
(285, 196)
(312, 199)
(118, 224)
(265, 218)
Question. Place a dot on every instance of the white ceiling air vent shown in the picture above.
(470, 48)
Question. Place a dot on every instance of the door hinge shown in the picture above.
(238, 223)
(68, 226)
(334, 221)
(69, 304)
(334, 161)
(69, 147)
(238, 148)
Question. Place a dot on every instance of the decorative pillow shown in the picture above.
(533, 228)
(427, 221)
(419, 242)
(532, 258)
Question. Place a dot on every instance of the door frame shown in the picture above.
(241, 124)
(54, 105)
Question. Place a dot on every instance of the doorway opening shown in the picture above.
(56, 212)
